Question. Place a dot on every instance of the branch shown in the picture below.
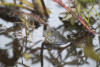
(75, 16)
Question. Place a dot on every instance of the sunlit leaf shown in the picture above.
(41, 9)
(68, 16)
(89, 52)
(87, 1)
(79, 7)
(48, 11)
(72, 21)
(97, 13)
(12, 4)
(27, 3)
(26, 56)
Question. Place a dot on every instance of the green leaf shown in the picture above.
(26, 56)
(68, 16)
(79, 7)
(16, 5)
(72, 21)
(27, 3)
(89, 52)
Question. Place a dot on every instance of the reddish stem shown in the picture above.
(75, 16)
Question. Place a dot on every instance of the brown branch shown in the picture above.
(44, 7)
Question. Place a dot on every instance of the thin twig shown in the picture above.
(41, 54)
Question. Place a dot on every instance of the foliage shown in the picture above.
(77, 21)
